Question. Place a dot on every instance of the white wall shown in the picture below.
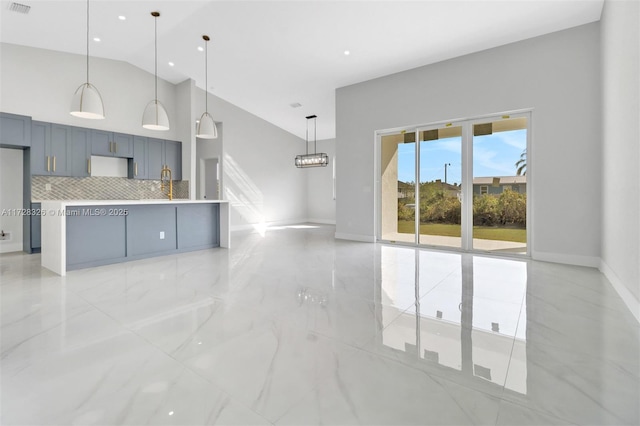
(557, 75)
(321, 205)
(259, 176)
(11, 198)
(621, 148)
(40, 83)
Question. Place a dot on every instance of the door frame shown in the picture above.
(467, 179)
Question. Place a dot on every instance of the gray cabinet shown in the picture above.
(15, 130)
(161, 153)
(138, 167)
(35, 227)
(80, 152)
(173, 158)
(94, 239)
(50, 147)
(111, 144)
(151, 230)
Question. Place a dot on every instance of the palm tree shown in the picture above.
(521, 164)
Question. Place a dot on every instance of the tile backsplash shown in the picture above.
(102, 188)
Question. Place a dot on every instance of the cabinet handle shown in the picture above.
(54, 163)
(48, 163)
(89, 165)
(135, 167)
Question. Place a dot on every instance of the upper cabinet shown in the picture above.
(15, 130)
(49, 149)
(139, 166)
(60, 150)
(111, 144)
(163, 153)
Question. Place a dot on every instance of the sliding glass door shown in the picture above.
(460, 185)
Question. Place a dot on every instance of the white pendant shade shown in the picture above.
(155, 116)
(207, 127)
(87, 103)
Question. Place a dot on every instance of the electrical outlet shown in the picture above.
(162, 235)
(47, 187)
(5, 236)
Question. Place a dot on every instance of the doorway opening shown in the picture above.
(460, 185)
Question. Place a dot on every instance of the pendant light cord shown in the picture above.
(87, 41)
(155, 20)
(206, 76)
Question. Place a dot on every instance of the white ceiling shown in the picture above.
(265, 55)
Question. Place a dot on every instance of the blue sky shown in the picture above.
(493, 155)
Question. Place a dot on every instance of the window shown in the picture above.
(484, 189)
(506, 188)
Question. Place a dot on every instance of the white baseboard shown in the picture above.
(627, 297)
(322, 221)
(567, 259)
(356, 237)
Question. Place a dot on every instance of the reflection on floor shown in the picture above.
(456, 242)
(293, 327)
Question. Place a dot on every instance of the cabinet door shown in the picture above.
(139, 164)
(80, 152)
(60, 141)
(123, 145)
(155, 157)
(35, 227)
(173, 158)
(15, 130)
(40, 144)
(101, 143)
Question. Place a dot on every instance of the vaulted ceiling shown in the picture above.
(265, 55)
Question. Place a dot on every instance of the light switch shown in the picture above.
(162, 235)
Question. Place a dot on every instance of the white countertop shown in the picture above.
(64, 203)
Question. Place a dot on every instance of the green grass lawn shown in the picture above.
(482, 232)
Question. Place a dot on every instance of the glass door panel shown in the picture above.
(500, 185)
(441, 186)
(398, 187)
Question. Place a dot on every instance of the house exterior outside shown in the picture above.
(497, 185)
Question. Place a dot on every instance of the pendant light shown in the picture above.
(317, 159)
(206, 126)
(87, 102)
(155, 116)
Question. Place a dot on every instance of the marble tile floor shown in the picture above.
(293, 327)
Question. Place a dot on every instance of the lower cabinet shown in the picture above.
(100, 235)
(93, 238)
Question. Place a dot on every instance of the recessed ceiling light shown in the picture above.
(97, 39)
(200, 49)
(171, 64)
(122, 18)
(295, 105)
(347, 53)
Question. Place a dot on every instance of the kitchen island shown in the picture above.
(85, 233)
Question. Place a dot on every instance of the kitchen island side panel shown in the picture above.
(198, 226)
(151, 230)
(94, 237)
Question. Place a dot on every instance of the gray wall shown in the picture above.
(558, 75)
(321, 205)
(621, 148)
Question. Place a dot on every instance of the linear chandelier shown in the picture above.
(87, 102)
(317, 159)
(155, 116)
